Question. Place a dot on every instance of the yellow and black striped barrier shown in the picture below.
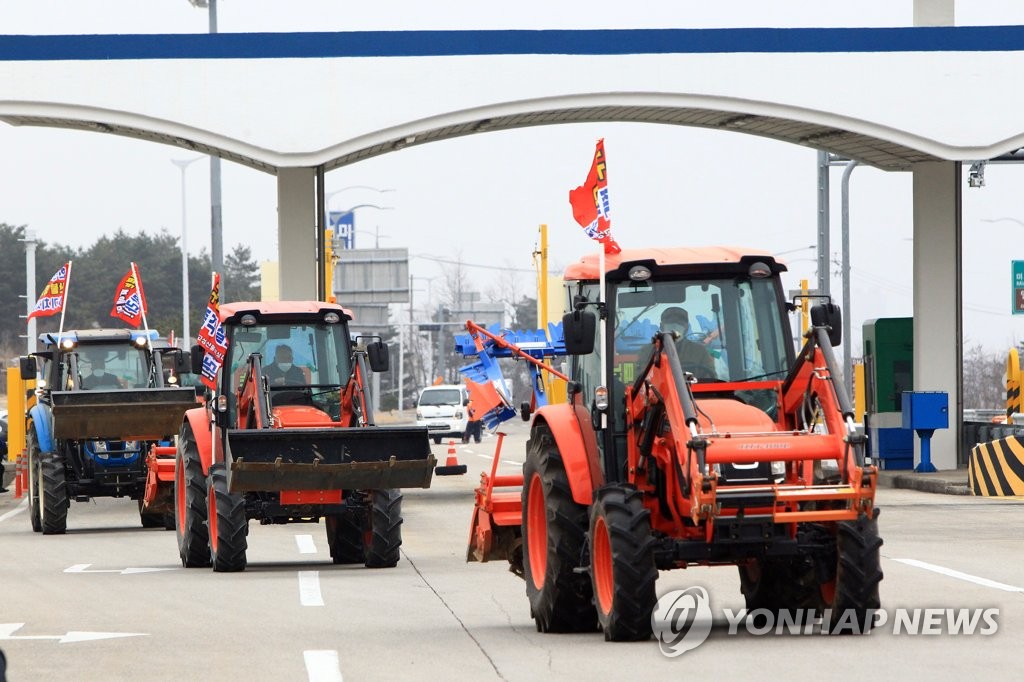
(996, 468)
(1012, 385)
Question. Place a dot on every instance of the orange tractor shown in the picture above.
(288, 436)
(694, 435)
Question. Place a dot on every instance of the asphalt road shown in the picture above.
(109, 600)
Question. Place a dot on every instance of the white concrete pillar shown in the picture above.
(934, 13)
(296, 234)
(938, 324)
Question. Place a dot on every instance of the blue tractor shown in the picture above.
(105, 397)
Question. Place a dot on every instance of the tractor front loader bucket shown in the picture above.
(132, 414)
(367, 458)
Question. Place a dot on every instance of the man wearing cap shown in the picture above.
(693, 356)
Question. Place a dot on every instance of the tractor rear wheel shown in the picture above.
(53, 495)
(554, 534)
(34, 511)
(346, 536)
(228, 526)
(385, 532)
(190, 503)
(853, 595)
(622, 563)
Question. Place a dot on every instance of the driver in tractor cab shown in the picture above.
(693, 357)
(283, 371)
(99, 377)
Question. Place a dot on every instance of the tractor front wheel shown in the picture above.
(227, 523)
(34, 511)
(53, 495)
(622, 563)
(853, 595)
(554, 534)
(346, 536)
(385, 532)
(190, 503)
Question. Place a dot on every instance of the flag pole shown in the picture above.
(64, 307)
(142, 302)
(603, 321)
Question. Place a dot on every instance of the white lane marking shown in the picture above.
(306, 544)
(322, 665)
(81, 568)
(309, 588)
(984, 582)
(7, 631)
(20, 508)
(511, 462)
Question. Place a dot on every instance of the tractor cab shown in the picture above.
(728, 325)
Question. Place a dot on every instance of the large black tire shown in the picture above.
(858, 573)
(227, 524)
(53, 494)
(34, 475)
(554, 535)
(190, 503)
(622, 563)
(780, 583)
(346, 536)
(385, 534)
(437, 440)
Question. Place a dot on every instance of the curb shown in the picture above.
(928, 485)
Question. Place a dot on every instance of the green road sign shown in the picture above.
(1017, 304)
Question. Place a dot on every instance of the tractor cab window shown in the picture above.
(104, 366)
(729, 329)
(302, 363)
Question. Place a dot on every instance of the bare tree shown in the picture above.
(984, 379)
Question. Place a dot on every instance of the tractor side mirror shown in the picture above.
(27, 366)
(377, 354)
(196, 360)
(829, 315)
(183, 362)
(579, 328)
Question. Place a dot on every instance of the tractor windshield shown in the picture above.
(297, 354)
(728, 329)
(105, 366)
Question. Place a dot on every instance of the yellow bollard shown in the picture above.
(1012, 385)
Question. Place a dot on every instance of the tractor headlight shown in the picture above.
(601, 398)
(778, 471)
(99, 446)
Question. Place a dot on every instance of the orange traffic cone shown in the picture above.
(18, 482)
(451, 466)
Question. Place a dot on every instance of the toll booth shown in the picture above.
(888, 372)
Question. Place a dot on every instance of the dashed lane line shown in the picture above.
(305, 544)
(322, 665)
(309, 588)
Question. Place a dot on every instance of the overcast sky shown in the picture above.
(482, 198)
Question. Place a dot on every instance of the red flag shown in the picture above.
(129, 299)
(51, 301)
(211, 337)
(590, 204)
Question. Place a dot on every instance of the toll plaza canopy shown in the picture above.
(920, 99)
(888, 97)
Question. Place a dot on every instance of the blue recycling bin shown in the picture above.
(924, 412)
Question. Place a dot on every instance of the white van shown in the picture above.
(442, 409)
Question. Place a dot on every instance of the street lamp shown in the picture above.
(351, 210)
(216, 208)
(184, 164)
